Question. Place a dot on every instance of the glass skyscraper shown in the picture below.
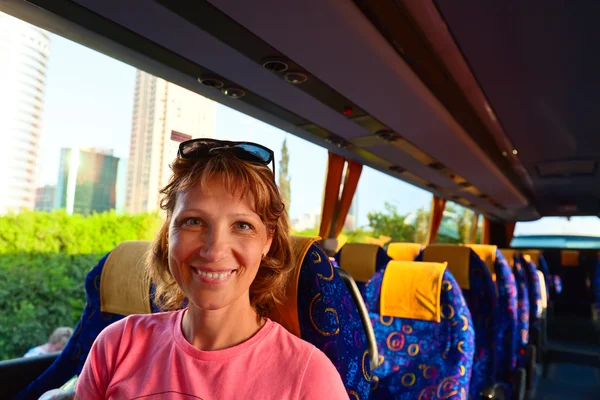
(87, 181)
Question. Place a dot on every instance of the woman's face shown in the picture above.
(216, 242)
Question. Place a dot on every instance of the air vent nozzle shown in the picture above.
(295, 78)
(277, 66)
(387, 135)
(211, 82)
(233, 92)
(338, 141)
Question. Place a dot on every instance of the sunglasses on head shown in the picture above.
(246, 151)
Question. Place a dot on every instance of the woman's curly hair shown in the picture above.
(239, 178)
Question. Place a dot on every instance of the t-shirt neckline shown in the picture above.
(216, 355)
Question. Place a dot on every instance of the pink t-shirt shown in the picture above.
(147, 357)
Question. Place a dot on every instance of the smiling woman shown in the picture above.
(224, 250)
(248, 219)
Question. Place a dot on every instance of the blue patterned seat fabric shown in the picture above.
(543, 266)
(535, 292)
(597, 285)
(71, 360)
(423, 359)
(506, 344)
(557, 284)
(329, 320)
(522, 311)
(482, 299)
(327, 315)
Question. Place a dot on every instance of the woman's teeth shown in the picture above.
(214, 275)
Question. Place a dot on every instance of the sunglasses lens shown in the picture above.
(257, 152)
(191, 148)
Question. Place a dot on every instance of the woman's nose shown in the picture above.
(216, 244)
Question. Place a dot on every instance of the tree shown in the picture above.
(390, 223)
(421, 225)
(463, 223)
(284, 176)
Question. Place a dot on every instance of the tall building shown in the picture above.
(164, 115)
(87, 181)
(44, 198)
(24, 52)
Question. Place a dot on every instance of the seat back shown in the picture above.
(361, 261)
(404, 251)
(570, 258)
(479, 290)
(424, 332)
(534, 288)
(506, 339)
(596, 283)
(543, 290)
(543, 266)
(514, 260)
(319, 309)
(538, 259)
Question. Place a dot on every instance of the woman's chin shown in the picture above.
(204, 303)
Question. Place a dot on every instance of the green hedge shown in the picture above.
(44, 258)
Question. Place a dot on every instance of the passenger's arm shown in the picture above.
(321, 380)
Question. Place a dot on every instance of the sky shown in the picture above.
(89, 103)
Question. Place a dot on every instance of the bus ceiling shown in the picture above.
(406, 101)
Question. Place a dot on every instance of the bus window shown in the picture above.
(98, 162)
(558, 232)
(456, 225)
(385, 210)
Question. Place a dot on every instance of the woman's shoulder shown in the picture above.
(318, 374)
(288, 340)
(285, 336)
(142, 324)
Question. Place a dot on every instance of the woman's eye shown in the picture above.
(243, 226)
(192, 222)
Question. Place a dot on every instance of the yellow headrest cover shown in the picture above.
(286, 314)
(487, 253)
(509, 254)
(404, 251)
(359, 260)
(123, 287)
(534, 255)
(412, 290)
(569, 258)
(457, 257)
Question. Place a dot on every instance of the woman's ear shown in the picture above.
(270, 235)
